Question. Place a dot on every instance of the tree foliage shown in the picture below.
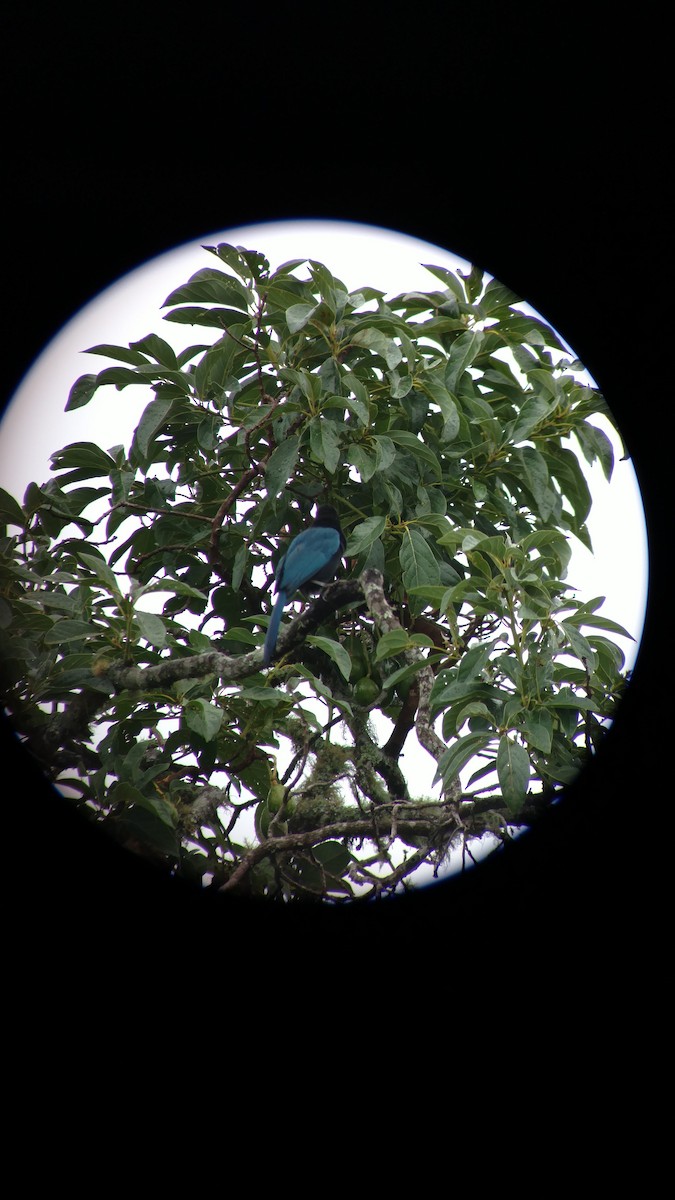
(136, 583)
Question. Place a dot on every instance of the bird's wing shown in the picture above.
(308, 554)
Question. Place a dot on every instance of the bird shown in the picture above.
(312, 557)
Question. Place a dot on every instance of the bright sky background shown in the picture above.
(36, 425)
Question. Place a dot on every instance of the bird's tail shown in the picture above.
(273, 630)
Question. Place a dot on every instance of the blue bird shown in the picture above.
(312, 557)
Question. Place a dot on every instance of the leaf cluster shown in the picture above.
(447, 427)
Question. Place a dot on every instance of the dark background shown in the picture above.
(537, 153)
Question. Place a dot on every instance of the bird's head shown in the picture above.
(326, 515)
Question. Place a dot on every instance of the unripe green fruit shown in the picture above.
(366, 690)
(354, 645)
(275, 797)
(359, 666)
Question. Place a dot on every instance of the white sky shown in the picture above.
(36, 425)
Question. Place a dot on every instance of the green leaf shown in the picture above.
(269, 696)
(385, 451)
(540, 537)
(581, 647)
(564, 465)
(199, 642)
(444, 693)
(595, 444)
(82, 391)
(375, 340)
(309, 384)
(566, 698)
(462, 353)
(70, 631)
(11, 512)
(479, 564)
(417, 561)
(158, 349)
(124, 353)
(475, 708)
(209, 284)
(102, 571)
(152, 420)
(400, 386)
(281, 465)
(531, 466)
(610, 657)
(513, 771)
(152, 628)
(244, 264)
(550, 543)
(391, 644)
(334, 651)
(358, 402)
(364, 534)
(203, 718)
(155, 373)
(150, 819)
(410, 442)
(239, 566)
(475, 660)
(449, 278)
(86, 455)
(350, 402)
(439, 394)
(537, 727)
(531, 414)
(497, 297)
(210, 318)
(363, 460)
(333, 856)
(324, 440)
(121, 377)
(402, 674)
(598, 623)
(177, 587)
(459, 754)
(438, 596)
(161, 808)
(547, 383)
(325, 283)
(298, 315)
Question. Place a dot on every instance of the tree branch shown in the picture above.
(385, 618)
(358, 828)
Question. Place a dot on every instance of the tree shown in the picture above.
(137, 584)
